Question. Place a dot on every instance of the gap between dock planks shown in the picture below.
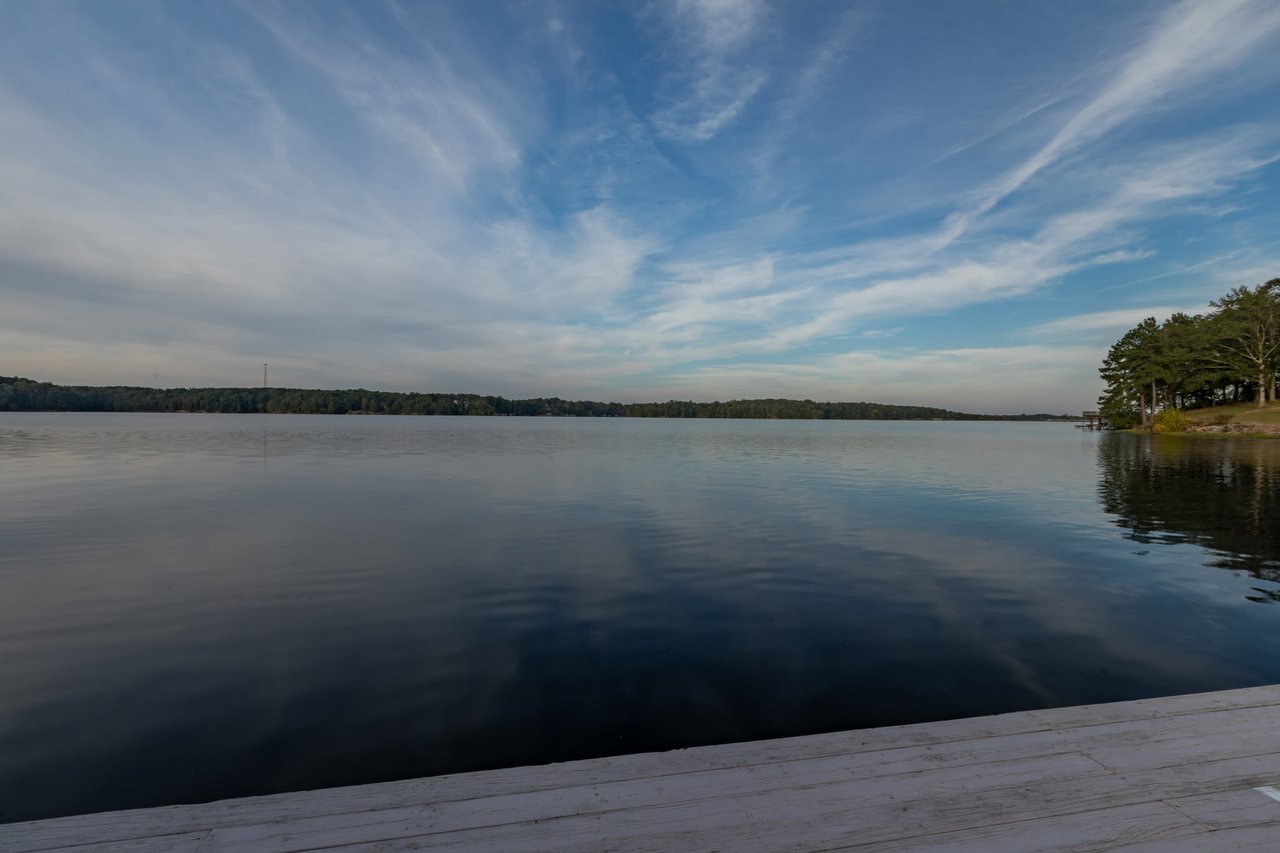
(1180, 772)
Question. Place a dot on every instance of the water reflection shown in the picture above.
(1222, 495)
(200, 607)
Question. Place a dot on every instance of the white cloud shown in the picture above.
(1234, 275)
(576, 274)
(882, 333)
(1116, 321)
(910, 276)
(722, 26)
(454, 124)
(1192, 41)
(714, 77)
(1033, 378)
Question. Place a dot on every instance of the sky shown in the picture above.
(916, 202)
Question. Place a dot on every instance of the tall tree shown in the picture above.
(1132, 364)
(1184, 356)
(1246, 326)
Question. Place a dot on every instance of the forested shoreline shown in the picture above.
(17, 394)
(1230, 354)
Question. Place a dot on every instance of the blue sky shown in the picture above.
(954, 204)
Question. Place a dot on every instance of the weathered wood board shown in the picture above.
(1180, 773)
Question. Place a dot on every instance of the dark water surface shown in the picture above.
(203, 606)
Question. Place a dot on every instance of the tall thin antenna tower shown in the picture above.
(264, 376)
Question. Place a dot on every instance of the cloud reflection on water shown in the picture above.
(393, 597)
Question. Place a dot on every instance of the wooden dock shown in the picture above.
(1180, 773)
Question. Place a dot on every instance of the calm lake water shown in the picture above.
(203, 606)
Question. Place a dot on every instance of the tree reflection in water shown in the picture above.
(1222, 495)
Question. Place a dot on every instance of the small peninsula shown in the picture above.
(1173, 375)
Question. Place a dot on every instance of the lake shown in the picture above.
(195, 607)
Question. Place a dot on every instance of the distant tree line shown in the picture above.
(26, 395)
(1230, 354)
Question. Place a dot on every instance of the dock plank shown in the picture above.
(187, 842)
(1231, 809)
(1099, 829)
(1263, 839)
(816, 818)
(1162, 707)
(720, 791)
(823, 818)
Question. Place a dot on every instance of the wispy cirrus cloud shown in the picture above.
(909, 276)
(1108, 323)
(450, 115)
(1190, 42)
(712, 76)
